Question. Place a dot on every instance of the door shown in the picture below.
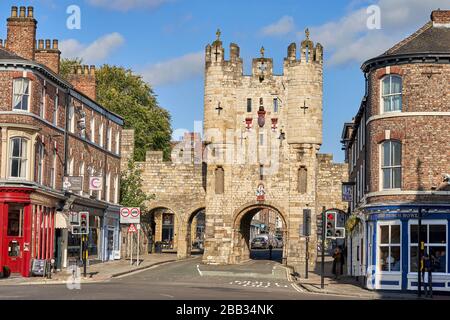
(110, 245)
(13, 242)
(58, 248)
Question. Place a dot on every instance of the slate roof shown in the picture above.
(428, 39)
(4, 54)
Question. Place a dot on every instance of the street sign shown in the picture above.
(130, 215)
(95, 183)
(347, 192)
(132, 229)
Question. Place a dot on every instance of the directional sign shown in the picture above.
(130, 215)
(132, 229)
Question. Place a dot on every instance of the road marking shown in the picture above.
(296, 288)
(167, 295)
(199, 271)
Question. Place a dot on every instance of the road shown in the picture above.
(183, 280)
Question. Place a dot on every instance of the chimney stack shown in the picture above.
(441, 18)
(48, 55)
(84, 80)
(21, 33)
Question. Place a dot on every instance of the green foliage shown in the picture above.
(67, 65)
(128, 95)
(131, 194)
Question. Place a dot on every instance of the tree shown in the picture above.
(128, 95)
(131, 194)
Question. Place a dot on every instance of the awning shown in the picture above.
(61, 221)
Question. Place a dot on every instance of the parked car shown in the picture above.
(260, 242)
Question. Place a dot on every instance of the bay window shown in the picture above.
(21, 94)
(392, 93)
(389, 247)
(18, 158)
(391, 164)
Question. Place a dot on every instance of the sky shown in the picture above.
(164, 41)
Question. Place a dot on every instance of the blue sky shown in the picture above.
(164, 41)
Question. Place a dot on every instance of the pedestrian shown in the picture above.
(337, 263)
(427, 269)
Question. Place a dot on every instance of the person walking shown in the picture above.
(427, 268)
(337, 263)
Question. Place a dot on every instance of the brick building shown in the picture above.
(398, 152)
(50, 129)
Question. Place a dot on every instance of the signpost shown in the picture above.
(132, 216)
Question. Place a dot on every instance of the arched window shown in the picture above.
(18, 158)
(302, 180)
(392, 93)
(219, 180)
(391, 164)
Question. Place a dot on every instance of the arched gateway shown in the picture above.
(259, 150)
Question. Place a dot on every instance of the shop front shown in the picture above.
(392, 246)
(111, 234)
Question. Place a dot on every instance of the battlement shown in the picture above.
(309, 53)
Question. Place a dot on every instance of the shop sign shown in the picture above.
(73, 183)
(394, 215)
(347, 192)
(95, 183)
(130, 215)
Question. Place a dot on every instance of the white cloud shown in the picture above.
(279, 28)
(125, 5)
(349, 40)
(94, 52)
(175, 70)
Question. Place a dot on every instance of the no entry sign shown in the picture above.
(130, 215)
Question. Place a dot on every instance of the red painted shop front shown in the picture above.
(26, 230)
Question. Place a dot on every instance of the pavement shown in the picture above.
(97, 272)
(348, 286)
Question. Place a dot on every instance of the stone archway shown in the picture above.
(241, 231)
(184, 246)
(165, 233)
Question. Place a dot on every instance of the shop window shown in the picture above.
(168, 230)
(392, 93)
(21, 88)
(15, 220)
(434, 237)
(391, 166)
(389, 248)
(18, 158)
(219, 180)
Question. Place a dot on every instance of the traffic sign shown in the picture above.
(130, 215)
(95, 183)
(132, 229)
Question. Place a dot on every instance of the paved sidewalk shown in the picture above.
(347, 286)
(97, 272)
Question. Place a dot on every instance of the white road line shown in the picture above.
(167, 295)
(199, 271)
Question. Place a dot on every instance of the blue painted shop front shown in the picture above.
(391, 234)
(111, 236)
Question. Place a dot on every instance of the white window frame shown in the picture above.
(53, 170)
(108, 187)
(43, 101)
(28, 95)
(379, 245)
(72, 118)
(109, 138)
(81, 174)
(382, 95)
(427, 223)
(100, 134)
(23, 159)
(40, 151)
(93, 129)
(118, 142)
(56, 109)
(391, 166)
(116, 189)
